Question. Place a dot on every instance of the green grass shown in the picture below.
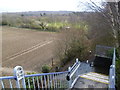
(58, 25)
(41, 23)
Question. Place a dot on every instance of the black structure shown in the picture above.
(103, 56)
(119, 7)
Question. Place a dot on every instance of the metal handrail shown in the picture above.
(46, 80)
(7, 77)
(33, 75)
(73, 73)
(112, 72)
(27, 77)
(43, 74)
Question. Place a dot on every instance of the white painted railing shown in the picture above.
(112, 73)
(34, 81)
(73, 73)
(43, 80)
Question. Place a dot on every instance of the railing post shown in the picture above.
(110, 77)
(69, 68)
(112, 73)
(19, 74)
(77, 61)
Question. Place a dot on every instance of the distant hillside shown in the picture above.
(41, 12)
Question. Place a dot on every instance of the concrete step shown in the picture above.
(97, 77)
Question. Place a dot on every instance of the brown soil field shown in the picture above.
(28, 48)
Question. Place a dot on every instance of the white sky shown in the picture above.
(38, 5)
(41, 5)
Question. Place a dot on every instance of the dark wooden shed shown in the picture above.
(103, 56)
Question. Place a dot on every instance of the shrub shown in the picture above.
(45, 69)
(30, 80)
(118, 74)
(52, 29)
(4, 22)
(110, 53)
(73, 44)
(118, 71)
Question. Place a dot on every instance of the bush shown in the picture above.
(73, 44)
(30, 80)
(45, 69)
(4, 22)
(118, 74)
(118, 71)
(110, 53)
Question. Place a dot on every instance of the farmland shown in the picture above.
(29, 40)
(32, 39)
(28, 48)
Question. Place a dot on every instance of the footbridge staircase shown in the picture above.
(79, 75)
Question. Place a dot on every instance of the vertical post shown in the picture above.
(87, 61)
(69, 82)
(2, 84)
(113, 75)
(77, 61)
(114, 63)
(19, 74)
(110, 77)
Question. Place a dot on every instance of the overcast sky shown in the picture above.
(40, 5)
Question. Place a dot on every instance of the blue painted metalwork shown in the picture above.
(43, 80)
(46, 80)
(7, 77)
(42, 74)
(33, 75)
(54, 79)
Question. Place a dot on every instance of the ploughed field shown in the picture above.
(28, 48)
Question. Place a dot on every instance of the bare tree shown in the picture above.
(110, 10)
(72, 44)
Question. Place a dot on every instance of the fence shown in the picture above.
(73, 73)
(54, 80)
(112, 72)
(43, 80)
